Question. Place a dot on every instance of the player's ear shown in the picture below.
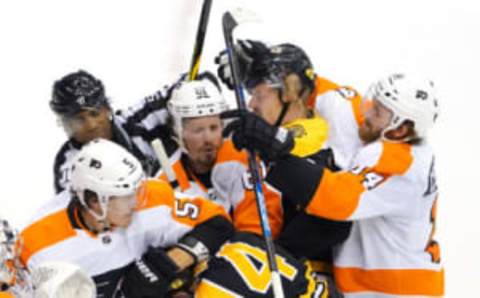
(401, 132)
(294, 88)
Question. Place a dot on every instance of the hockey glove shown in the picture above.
(254, 133)
(152, 276)
(247, 51)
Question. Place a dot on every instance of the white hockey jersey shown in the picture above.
(341, 109)
(390, 193)
(57, 233)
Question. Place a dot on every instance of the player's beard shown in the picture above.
(208, 156)
(367, 133)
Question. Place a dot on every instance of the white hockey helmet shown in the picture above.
(193, 99)
(408, 98)
(107, 170)
(60, 279)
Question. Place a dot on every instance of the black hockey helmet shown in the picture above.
(76, 91)
(274, 65)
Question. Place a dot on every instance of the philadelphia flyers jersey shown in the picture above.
(57, 233)
(229, 185)
(389, 191)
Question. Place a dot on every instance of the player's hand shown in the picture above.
(153, 275)
(246, 51)
(254, 133)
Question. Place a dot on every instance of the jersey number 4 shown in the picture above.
(240, 255)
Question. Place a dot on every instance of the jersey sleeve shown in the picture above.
(182, 215)
(233, 183)
(376, 185)
(341, 109)
(322, 85)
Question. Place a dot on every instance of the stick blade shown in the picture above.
(239, 15)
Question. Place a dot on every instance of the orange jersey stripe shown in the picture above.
(46, 232)
(245, 214)
(391, 281)
(339, 193)
(356, 102)
(159, 192)
(322, 85)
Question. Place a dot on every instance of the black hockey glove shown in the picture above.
(153, 275)
(252, 132)
(247, 51)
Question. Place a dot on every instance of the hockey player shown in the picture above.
(389, 192)
(282, 82)
(204, 164)
(118, 227)
(207, 165)
(84, 111)
(49, 280)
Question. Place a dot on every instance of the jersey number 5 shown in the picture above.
(186, 209)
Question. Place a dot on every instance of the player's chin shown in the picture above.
(367, 135)
(209, 159)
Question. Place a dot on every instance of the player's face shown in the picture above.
(203, 137)
(377, 118)
(265, 102)
(121, 210)
(89, 124)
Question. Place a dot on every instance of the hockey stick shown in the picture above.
(157, 144)
(199, 40)
(159, 149)
(230, 20)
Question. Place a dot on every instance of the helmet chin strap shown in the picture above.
(283, 112)
(285, 106)
(102, 218)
